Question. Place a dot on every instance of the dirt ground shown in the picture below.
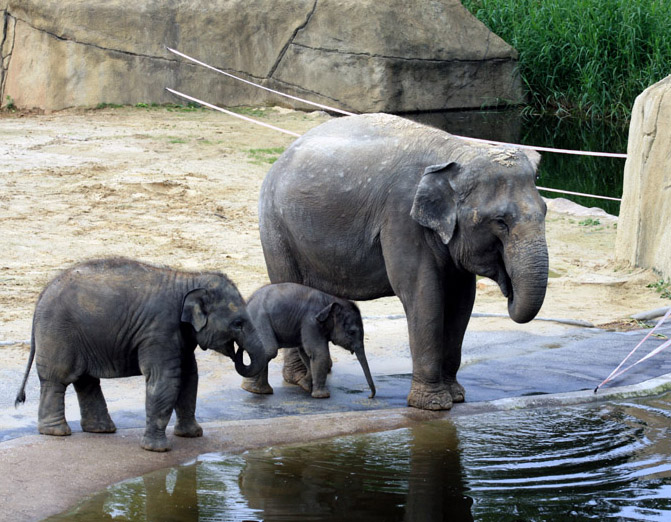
(179, 187)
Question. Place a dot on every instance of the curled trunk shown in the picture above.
(250, 343)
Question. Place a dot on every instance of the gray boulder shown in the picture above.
(361, 55)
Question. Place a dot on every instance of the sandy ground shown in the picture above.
(180, 188)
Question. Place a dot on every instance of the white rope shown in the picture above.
(550, 149)
(325, 107)
(347, 113)
(231, 113)
(251, 120)
(578, 194)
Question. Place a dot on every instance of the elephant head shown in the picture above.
(347, 331)
(219, 318)
(489, 216)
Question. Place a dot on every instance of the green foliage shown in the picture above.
(10, 106)
(585, 174)
(258, 112)
(662, 287)
(589, 222)
(261, 156)
(108, 106)
(189, 107)
(587, 58)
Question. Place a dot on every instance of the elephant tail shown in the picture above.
(21, 396)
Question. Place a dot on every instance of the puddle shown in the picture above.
(611, 461)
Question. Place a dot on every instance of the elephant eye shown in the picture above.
(501, 223)
(237, 323)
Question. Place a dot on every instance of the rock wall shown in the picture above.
(644, 227)
(361, 55)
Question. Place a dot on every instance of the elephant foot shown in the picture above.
(321, 394)
(189, 428)
(252, 386)
(156, 443)
(293, 370)
(457, 391)
(98, 425)
(306, 383)
(425, 398)
(60, 429)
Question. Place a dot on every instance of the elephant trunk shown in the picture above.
(361, 356)
(527, 266)
(251, 344)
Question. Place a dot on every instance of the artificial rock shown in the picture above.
(359, 55)
(643, 231)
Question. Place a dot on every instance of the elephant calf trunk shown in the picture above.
(361, 356)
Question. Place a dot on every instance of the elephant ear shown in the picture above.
(434, 205)
(332, 308)
(193, 309)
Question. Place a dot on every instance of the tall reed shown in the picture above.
(586, 58)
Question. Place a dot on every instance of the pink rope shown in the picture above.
(617, 372)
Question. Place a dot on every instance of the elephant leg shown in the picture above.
(316, 357)
(161, 398)
(185, 408)
(258, 384)
(459, 299)
(294, 369)
(51, 413)
(92, 405)
(423, 303)
(306, 381)
(319, 368)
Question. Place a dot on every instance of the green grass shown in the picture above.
(258, 112)
(584, 58)
(662, 287)
(589, 222)
(265, 156)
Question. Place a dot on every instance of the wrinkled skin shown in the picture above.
(292, 315)
(375, 205)
(118, 318)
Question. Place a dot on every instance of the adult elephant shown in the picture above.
(376, 205)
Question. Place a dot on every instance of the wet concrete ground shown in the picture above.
(42, 475)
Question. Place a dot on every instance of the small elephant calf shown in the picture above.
(288, 315)
(118, 317)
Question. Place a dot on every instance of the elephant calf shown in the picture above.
(117, 318)
(292, 315)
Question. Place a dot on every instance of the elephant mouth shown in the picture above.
(227, 349)
(505, 283)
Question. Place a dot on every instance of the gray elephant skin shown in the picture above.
(376, 205)
(292, 315)
(117, 318)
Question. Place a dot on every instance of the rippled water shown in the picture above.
(607, 462)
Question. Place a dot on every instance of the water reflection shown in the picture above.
(607, 462)
(383, 477)
(586, 174)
